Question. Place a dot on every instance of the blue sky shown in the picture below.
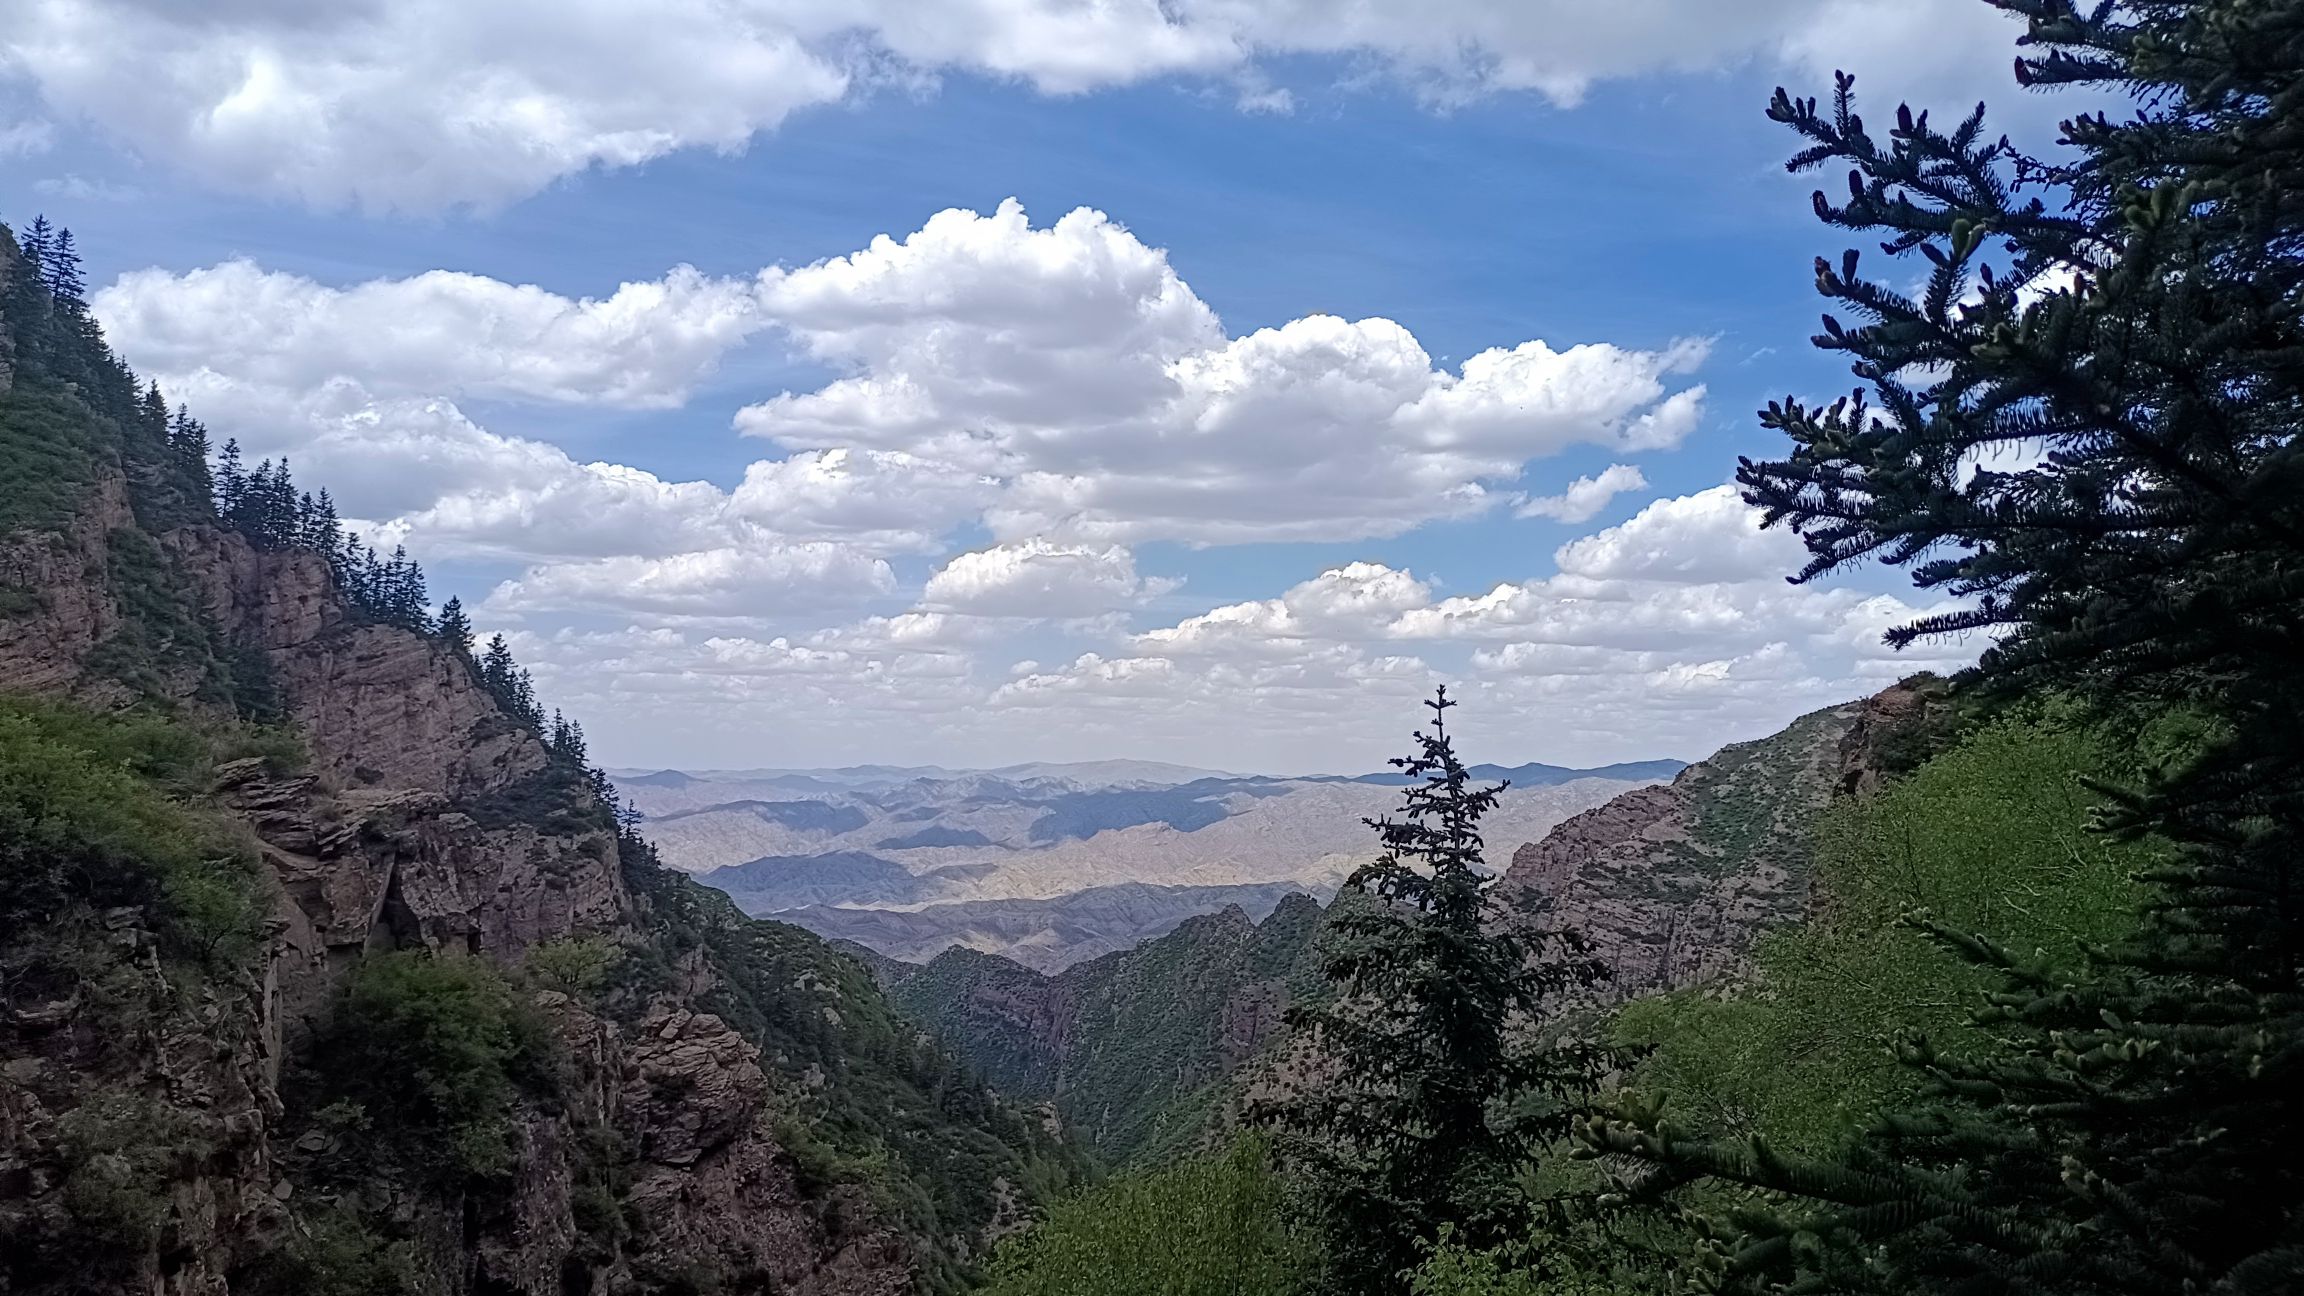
(1093, 522)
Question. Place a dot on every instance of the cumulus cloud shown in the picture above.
(764, 580)
(436, 334)
(1075, 364)
(1585, 496)
(1653, 658)
(425, 104)
(1060, 382)
(1666, 633)
(1708, 535)
(1039, 578)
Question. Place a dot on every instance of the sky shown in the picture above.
(977, 381)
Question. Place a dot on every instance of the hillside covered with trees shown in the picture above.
(329, 964)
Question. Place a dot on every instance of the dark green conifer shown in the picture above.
(60, 272)
(1432, 1092)
(38, 241)
(231, 480)
(455, 627)
(2084, 425)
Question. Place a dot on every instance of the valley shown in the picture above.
(1047, 864)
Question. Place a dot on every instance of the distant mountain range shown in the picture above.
(1670, 882)
(1047, 863)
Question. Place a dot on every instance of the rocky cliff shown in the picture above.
(1671, 883)
(712, 1114)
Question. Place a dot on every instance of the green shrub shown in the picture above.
(1214, 1226)
(1989, 836)
(578, 966)
(334, 1253)
(435, 1050)
(92, 813)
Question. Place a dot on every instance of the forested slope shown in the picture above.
(327, 964)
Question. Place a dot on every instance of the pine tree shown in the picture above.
(496, 671)
(325, 530)
(38, 241)
(1427, 1105)
(2085, 425)
(231, 481)
(455, 627)
(60, 272)
(188, 441)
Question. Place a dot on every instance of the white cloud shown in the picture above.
(765, 580)
(1711, 535)
(1343, 605)
(26, 138)
(1061, 382)
(1655, 660)
(1673, 632)
(437, 334)
(78, 188)
(425, 104)
(885, 500)
(1039, 578)
(1074, 363)
(1585, 496)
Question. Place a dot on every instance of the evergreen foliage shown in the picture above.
(1991, 836)
(1427, 1106)
(1216, 1225)
(2136, 1125)
(510, 684)
(453, 625)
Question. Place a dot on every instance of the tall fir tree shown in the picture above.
(231, 480)
(455, 627)
(188, 441)
(1432, 1091)
(60, 272)
(2083, 425)
(38, 241)
(321, 529)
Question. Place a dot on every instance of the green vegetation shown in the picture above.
(1990, 837)
(332, 1252)
(1149, 1038)
(1212, 1226)
(2127, 316)
(95, 814)
(1426, 1107)
(103, 840)
(50, 457)
(578, 966)
(867, 1098)
(432, 1053)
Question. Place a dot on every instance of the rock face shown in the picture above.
(1671, 883)
(63, 595)
(423, 821)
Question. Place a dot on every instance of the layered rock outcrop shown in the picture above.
(1671, 884)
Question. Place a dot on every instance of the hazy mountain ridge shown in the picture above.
(1000, 864)
(1141, 1048)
